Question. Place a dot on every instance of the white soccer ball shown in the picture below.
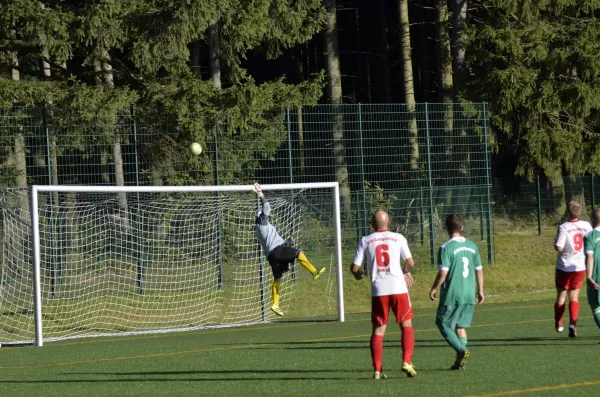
(196, 148)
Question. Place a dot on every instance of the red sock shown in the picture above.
(408, 344)
(559, 310)
(573, 312)
(377, 351)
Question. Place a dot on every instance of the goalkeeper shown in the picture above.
(279, 254)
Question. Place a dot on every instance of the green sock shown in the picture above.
(463, 340)
(597, 316)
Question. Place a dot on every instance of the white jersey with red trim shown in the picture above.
(570, 238)
(383, 251)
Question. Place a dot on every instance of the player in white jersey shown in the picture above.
(570, 267)
(383, 250)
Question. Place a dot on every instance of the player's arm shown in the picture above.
(589, 266)
(441, 275)
(439, 279)
(561, 239)
(358, 259)
(409, 264)
(356, 271)
(480, 295)
(266, 207)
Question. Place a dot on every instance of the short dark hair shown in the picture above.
(596, 217)
(454, 223)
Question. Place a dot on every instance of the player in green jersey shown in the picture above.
(592, 253)
(459, 268)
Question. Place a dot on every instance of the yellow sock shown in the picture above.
(275, 290)
(305, 263)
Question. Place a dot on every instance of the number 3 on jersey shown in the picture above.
(465, 262)
(382, 256)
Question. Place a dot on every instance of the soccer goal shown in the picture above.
(83, 261)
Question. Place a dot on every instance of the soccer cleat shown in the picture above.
(559, 328)
(461, 360)
(409, 370)
(277, 310)
(572, 331)
(318, 273)
(379, 375)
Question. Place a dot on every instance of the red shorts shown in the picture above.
(569, 280)
(380, 308)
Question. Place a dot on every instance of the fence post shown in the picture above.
(363, 216)
(54, 278)
(593, 191)
(140, 262)
(290, 166)
(490, 244)
(431, 231)
(422, 216)
(539, 203)
(481, 218)
(289, 136)
(219, 224)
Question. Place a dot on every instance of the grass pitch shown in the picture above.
(514, 351)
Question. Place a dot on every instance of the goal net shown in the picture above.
(80, 261)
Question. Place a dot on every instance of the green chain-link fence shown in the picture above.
(537, 205)
(419, 165)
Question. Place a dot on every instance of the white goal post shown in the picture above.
(151, 259)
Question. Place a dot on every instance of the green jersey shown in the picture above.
(460, 258)
(592, 246)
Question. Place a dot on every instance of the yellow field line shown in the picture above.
(245, 328)
(59, 364)
(543, 388)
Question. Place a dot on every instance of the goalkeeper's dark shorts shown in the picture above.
(280, 259)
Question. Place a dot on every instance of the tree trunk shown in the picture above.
(459, 17)
(409, 91)
(384, 51)
(108, 80)
(334, 80)
(19, 158)
(444, 59)
(299, 58)
(195, 63)
(215, 63)
(557, 186)
(576, 192)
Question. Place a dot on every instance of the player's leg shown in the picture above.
(309, 266)
(464, 316)
(593, 296)
(575, 282)
(379, 316)
(278, 270)
(573, 312)
(560, 280)
(462, 336)
(275, 289)
(403, 311)
(446, 323)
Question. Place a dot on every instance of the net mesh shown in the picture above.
(157, 262)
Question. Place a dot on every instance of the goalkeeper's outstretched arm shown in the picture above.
(266, 207)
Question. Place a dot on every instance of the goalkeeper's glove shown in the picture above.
(258, 190)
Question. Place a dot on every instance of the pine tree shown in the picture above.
(537, 64)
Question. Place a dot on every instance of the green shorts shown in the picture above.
(455, 316)
(593, 296)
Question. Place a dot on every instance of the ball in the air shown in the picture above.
(196, 148)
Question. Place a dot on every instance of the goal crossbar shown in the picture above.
(36, 250)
